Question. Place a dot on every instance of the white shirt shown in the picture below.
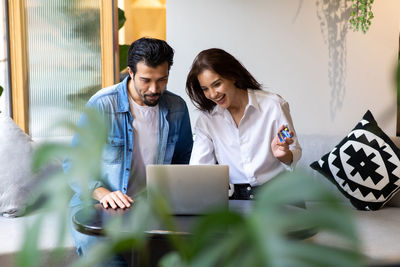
(145, 140)
(246, 149)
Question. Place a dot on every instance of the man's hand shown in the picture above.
(280, 150)
(114, 199)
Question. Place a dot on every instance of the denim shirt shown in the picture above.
(175, 140)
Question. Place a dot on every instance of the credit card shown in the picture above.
(284, 133)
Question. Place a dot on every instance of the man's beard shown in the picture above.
(149, 103)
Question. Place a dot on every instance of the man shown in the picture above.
(147, 125)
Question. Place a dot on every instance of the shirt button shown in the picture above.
(130, 130)
(248, 188)
(124, 189)
(130, 150)
(127, 169)
(251, 196)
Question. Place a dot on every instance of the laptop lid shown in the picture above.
(190, 189)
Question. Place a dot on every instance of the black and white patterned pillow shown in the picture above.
(364, 166)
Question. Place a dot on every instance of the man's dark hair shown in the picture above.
(151, 51)
(225, 65)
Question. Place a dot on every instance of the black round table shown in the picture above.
(90, 220)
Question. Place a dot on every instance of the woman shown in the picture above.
(239, 124)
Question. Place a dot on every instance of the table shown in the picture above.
(91, 220)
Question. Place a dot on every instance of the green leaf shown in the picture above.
(219, 251)
(398, 81)
(29, 254)
(121, 18)
(362, 15)
(316, 255)
(96, 255)
(80, 98)
(213, 224)
(48, 153)
(172, 259)
(123, 56)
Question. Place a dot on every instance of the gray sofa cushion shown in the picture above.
(15, 160)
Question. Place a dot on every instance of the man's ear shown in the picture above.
(130, 72)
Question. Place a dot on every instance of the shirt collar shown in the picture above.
(217, 110)
(252, 103)
(123, 101)
(253, 99)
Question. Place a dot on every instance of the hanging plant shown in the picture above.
(361, 16)
(1, 91)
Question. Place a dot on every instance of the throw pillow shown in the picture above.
(15, 170)
(364, 166)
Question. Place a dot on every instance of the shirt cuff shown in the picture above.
(296, 157)
(95, 184)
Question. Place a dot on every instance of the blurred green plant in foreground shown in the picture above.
(264, 237)
(271, 234)
(53, 193)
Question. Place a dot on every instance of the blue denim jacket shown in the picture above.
(174, 139)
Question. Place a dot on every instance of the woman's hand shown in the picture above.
(280, 150)
(115, 199)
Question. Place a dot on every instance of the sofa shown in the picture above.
(378, 230)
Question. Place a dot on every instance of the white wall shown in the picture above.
(285, 44)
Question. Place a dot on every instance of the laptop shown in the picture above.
(190, 189)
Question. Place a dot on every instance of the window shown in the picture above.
(58, 60)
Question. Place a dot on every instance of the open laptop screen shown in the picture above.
(190, 189)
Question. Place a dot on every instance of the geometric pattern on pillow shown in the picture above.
(364, 166)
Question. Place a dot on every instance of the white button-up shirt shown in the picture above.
(246, 149)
